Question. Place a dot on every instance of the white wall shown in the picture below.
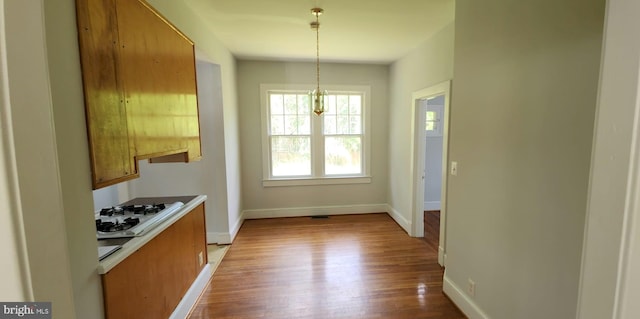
(253, 73)
(73, 154)
(105, 197)
(433, 169)
(51, 263)
(429, 64)
(610, 271)
(524, 96)
(14, 271)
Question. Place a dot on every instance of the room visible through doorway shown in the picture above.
(434, 119)
(429, 164)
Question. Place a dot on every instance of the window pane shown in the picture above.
(304, 125)
(290, 104)
(277, 125)
(276, 103)
(329, 124)
(303, 104)
(290, 156)
(430, 126)
(355, 104)
(355, 126)
(343, 155)
(342, 125)
(431, 116)
(330, 107)
(290, 125)
(342, 103)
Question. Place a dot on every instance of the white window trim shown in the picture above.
(365, 177)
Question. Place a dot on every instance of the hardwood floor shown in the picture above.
(353, 266)
(432, 228)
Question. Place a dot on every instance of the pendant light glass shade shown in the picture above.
(318, 100)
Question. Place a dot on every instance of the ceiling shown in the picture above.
(367, 31)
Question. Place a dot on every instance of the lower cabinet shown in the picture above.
(151, 282)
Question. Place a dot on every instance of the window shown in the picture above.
(290, 134)
(342, 132)
(300, 148)
(433, 120)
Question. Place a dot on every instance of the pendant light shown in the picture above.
(317, 97)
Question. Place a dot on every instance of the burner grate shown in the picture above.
(131, 220)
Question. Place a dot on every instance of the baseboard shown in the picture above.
(314, 211)
(467, 305)
(218, 238)
(236, 228)
(191, 297)
(442, 257)
(222, 238)
(434, 205)
(403, 222)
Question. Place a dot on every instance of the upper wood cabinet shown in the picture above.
(111, 159)
(140, 88)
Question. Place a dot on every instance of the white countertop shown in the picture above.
(136, 243)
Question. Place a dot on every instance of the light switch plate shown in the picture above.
(454, 168)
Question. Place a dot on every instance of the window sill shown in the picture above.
(316, 181)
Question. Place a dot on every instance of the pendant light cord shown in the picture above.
(317, 14)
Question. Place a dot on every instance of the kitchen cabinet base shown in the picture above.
(151, 282)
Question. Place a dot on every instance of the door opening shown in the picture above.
(434, 117)
(430, 157)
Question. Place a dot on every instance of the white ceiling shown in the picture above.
(369, 31)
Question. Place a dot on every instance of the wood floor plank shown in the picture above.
(350, 266)
(432, 228)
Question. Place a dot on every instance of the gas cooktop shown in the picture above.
(132, 220)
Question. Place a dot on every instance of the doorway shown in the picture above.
(430, 155)
(434, 111)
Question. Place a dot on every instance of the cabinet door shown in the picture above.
(111, 160)
(151, 282)
(158, 72)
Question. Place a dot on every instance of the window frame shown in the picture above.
(318, 176)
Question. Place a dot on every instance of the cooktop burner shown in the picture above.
(132, 209)
(108, 227)
(132, 220)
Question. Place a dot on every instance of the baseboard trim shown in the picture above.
(191, 297)
(236, 228)
(466, 305)
(434, 205)
(442, 257)
(218, 238)
(314, 211)
(403, 222)
(222, 238)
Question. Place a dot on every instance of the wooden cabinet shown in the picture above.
(111, 159)
(151, 282)
(140, 88)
